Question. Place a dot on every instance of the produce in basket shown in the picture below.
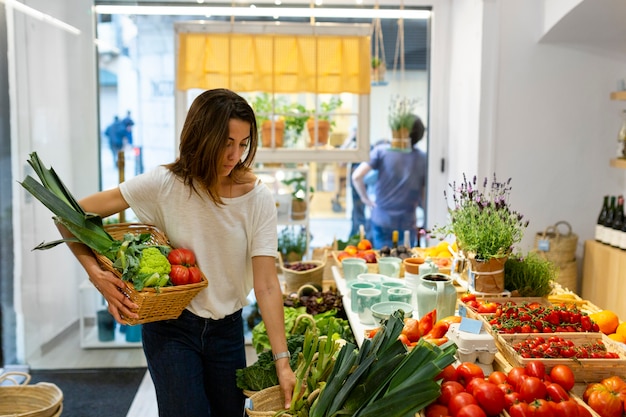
(137, 259)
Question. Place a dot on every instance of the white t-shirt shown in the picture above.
(223, 238)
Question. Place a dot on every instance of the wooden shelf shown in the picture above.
(618, 163)
(618, 95)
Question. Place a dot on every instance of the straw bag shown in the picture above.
(166, 303)
(296, 279)
(557, 247)
(22, 400)
(267, 402)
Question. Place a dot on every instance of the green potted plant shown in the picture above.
(485, 228)
(322, 120)
(378, 70)
(298, 196)
(530, 275)
(292, 243)
(264, 106)
(296, 116)
(401, 117)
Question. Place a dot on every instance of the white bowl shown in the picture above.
(382, 311)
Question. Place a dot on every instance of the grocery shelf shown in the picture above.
(618, 163)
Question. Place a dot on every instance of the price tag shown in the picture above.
(543, 245)
(470, 325)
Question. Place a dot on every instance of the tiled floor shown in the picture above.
(67, 353)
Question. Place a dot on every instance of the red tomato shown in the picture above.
(605, 402)
(519, 409)
(515, 375)
(468, 297)
(568, 408)
(531, 388)
(179, 275)
(617, 385)
(583, 411)
(411, 329)
(467, 371)
(563, 375)
(536, 368)
(489, 397)
(511, 399)
(181, 256)
(447, 374)
(471, 410)
(497, 377)
(556, 393)
(540, 408)
(437, 410)
(448, 389)
(195, 275)
(459, 400)
(473, 384)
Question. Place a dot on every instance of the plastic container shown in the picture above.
(473, 347)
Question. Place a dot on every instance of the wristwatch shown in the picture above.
(281, 355)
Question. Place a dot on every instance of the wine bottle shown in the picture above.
(622, 241)
(394, 239)
(601, 218)
(608, 222)
(618, 222)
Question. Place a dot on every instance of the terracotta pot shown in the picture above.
(323, 131)
(487, 276)
(266, 133)
(298, 209)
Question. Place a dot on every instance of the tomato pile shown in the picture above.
(523, 392)
(558, 347)
(480, 306)
(538, 318)
(184, 270)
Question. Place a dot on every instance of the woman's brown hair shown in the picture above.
(204, 138)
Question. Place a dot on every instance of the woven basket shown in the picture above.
(296, 279)
(555, 246)
(22, 400)
(267, 402)
(568, 275)
(169, 302)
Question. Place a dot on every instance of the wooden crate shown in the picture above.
(517, 300)
(585, 370)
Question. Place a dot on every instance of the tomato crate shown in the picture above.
(473, 314)
(585, 370)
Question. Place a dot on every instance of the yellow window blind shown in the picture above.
(321, 64)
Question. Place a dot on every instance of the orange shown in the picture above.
(621, 330)
(617, 337)
(364, 244)
(607, 321)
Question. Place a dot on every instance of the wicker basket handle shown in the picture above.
(550, 229)
(563, 222)
(11, 376)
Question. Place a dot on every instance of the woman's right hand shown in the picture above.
(110, 286)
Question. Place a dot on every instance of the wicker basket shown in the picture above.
(22, 400)
(296, 279)
(557, 247)
(164, 304)
(267, 402)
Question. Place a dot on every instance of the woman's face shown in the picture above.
(238, 140)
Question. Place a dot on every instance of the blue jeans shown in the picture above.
(192, 362)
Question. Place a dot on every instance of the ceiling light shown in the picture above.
(320, 12)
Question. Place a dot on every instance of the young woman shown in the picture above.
(208, 201)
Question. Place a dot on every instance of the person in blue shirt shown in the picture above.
(400, 187)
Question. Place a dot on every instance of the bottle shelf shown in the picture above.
(618, 163)
(618, 95)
